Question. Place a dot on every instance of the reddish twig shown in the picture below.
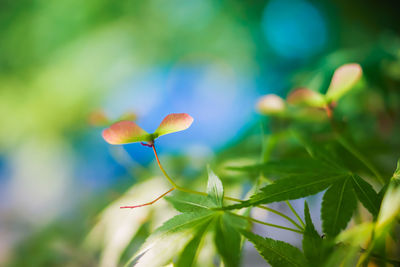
(148, 203)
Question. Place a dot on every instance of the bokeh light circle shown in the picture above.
(294, 29)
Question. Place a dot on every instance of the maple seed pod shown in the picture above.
(124, 132)
(306, 97)
(343, 80)
(271, 104)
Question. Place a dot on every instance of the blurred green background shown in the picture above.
(62, 60)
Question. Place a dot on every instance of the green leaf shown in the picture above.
(277, 253)
(271, 105)
(172, 123)
(382, 192)
(349, 243)
(215, 189)
(390, 207)
(289, 168)
(228, 240)
(115, 228)
(344, 78)
(338, 205)
(390, 210)
(356, 236)
(313, 245)
(302, 177)
(181, 235)
(124, 132)
(310, 229)
(323, 153)
(188, 255)
(189, 202)
(171, 238)
(343, 256)
(366, 194)
(306, 97)
(395, 180)
(183, 221)
(290, 188)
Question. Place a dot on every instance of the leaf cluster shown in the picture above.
(299, 158)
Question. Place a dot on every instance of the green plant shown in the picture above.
(314, 152)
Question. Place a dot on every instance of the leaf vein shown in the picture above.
(306, 185)
(339, 204)
(365, 194)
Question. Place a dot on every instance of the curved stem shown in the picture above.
(267, 147)
(148, 203)
(162, 169)
(250, 219)
(295, 213)
(282, 215)
(291, 208)
(238, 200)
(180, 188)
(187, 190)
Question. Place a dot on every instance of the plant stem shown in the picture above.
(148, 203)
(238, 200)
(291, 208)
(360, 157)
(268, 224)
(162, 169)
(183, 189)
(282, 215)
(295, 214)
(266, 151)
(187, 190)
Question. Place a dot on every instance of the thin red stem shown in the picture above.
(162, 169)
(148, 203)
(175, 186)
